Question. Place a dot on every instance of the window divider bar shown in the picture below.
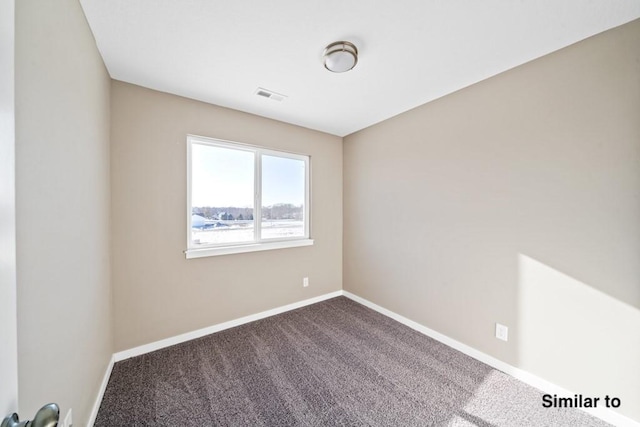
(257, 201)
(307, 198)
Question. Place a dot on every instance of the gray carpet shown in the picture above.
(332, 363)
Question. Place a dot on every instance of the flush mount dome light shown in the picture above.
(340, 57)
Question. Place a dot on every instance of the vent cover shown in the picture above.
(266, 93)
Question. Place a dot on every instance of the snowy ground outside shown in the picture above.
(243, 232)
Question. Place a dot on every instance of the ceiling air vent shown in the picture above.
(266, 93)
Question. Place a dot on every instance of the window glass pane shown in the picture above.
(222, 195)
(283, 197)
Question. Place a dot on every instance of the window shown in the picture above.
(243, 198)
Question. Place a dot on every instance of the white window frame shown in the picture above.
(259, 244)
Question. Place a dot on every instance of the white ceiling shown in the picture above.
(411, 51)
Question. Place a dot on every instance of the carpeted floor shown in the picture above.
(332, 363)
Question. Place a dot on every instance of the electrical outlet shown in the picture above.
(305, 282)
(68, 420)
(502, 332)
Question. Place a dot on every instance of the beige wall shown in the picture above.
(8, 321)
(516, 200)
(157, 292)
(62, 187)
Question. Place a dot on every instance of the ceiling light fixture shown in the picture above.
(340, 57)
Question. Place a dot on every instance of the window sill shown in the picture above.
(254, 247)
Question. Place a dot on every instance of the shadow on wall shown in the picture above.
(577, 336)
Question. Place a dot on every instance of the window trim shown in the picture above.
(259, 244)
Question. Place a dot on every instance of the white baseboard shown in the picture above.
(524, 376)
(103, 387)
(167, 342)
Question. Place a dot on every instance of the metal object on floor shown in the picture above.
(47, 416)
